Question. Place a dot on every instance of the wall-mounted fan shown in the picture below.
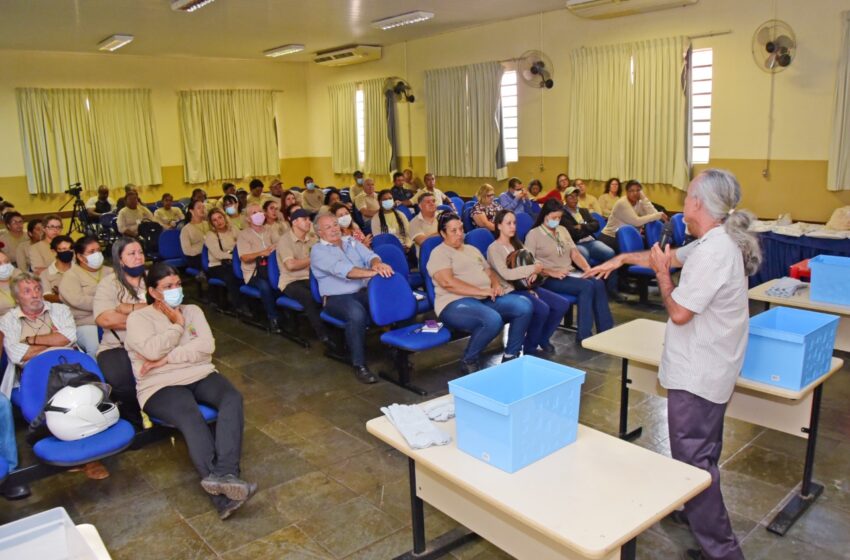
(774, 46)
(536, 69)
(401, 89)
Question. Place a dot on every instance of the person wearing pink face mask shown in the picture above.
(255, 245)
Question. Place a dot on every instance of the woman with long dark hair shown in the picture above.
(192, 234)
(390, 220)
(610, 197)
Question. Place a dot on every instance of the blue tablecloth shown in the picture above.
(781, 251)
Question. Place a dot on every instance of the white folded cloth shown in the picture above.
(439, 410)
(786, 287)
(414, 426)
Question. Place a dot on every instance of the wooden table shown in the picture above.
(640, 342)
(802, 301)
(590, 499)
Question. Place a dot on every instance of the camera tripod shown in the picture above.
(79, 215)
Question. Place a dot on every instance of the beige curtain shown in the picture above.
(227, 134)
(378, 149)
(462, 105)
(343, 127)
(628, 112)
(839, 155)
(89, 136)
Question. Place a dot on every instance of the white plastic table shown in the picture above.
(640, 342)
(590, 499)
(801, 300)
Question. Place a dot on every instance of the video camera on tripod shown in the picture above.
(75, 190)
(79, 215)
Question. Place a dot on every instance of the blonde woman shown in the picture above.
(220, 241)
(484, 211)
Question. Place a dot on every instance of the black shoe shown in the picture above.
(18, 492)
(274, 327)
(363, 375)
(230, 485)
(468, 367)
(508, 358)
(693, 554)
(547, 348)
(230, 506)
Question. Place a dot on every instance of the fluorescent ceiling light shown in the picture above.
(114, 43)
(284, 50)
(402, 19)
(189, 5)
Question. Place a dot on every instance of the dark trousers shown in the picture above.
(610, 241)
(225, 274)
(299, 290)
(549, 311)
(177, 405)
(354, 310)
(118, 372)
(268, 295)
(592, 302)
(194, 261)
(696, 438)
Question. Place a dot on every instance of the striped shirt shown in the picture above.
(704, 356)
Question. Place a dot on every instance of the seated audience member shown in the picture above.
(582, 225)
(289, 198)
(255, 245)
(367, 201)
(312, 197)
(549, 307)
(552, 246)
(585, 199)
(171, 347)
(634, 209)
(133, 214)
(293, 259)
(227, 188)
(535, 189)
(78, 287)
(412, 182)
(168, 215)
(242, 197)
(192, 234)
(116, 297)
(343, 267)
(357, 187)
(609, 197)
(7, 273)
(290, 209)
(389, 220)
(424, 224)
(201, 194)
(35, 233)
(230, 205)
(276, 192)
(220, 241)
(100, 204)
(469, 296)
(484, 211)
(14, 235)
(401, 195)
(274, 220)
(40, 254)
(257, 195)
(516, 198)
(331, 197)
(431, 188)
(561, 184)
(63, 249)
(348, 226)
(123, 200)
(8, 446)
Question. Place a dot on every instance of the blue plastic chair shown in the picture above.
(630, 241)
(205, 265)
(408, 213)
(480, 239)
(51, 450)
(445, 208)
(653, 232)
(244, 288)
(524, 223)
(274, 278)
(170, 251)
(678, 229)
(424, 254)
(451, 194)
(458, 204)
(396, 259)
(602, 223)
(386, 239)
(465, 216)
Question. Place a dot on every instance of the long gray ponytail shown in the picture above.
(720, 193)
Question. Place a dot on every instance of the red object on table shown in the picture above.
(801, 270)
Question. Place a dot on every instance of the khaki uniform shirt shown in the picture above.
(108, 295)
(22, 254)
(589, 202)
(277, 229)
(40, 255)
(369, 201)
(11, 243)
(220, 246)
(497, 256)
(392, 219)
(290, 247)
(50, 279)
(77, 288)
(168, 218)
(192, 238)
(624, 213)
(258, 200)
(7, 301)
(467, 264)
(552, 250)
(250, 241)
(129, 219)
(312, 200)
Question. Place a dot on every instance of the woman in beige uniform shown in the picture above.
(40, 255)
(220, 241)
(63, 248)
(77, 289)
(193, 233)
(7, 272)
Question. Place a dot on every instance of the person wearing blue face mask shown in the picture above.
(313, 197)
(552, 246)
(171, 346)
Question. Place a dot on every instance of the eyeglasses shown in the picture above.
(53, 227)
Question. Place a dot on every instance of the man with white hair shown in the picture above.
(705, 340)
(343, 268)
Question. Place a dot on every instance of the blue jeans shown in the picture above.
(354, 310)
(592, 302)
(8, 446)
(549, 311)
(483, 319)
(597, 252)
(268, 296)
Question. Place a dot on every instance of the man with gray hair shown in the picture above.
(705, 340)
(32, 327)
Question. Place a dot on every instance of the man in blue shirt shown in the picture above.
(516, 198)
(342, 267)
(401, 195)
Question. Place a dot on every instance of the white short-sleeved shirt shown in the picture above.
(704, 356)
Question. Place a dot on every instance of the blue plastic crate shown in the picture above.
(789, 347)
(515, 413)
(830, 282)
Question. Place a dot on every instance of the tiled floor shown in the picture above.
(330, 490)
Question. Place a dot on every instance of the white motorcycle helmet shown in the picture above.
(77, 412)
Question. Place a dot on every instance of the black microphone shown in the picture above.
(666, 235)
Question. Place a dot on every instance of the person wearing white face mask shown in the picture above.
(7, 273)
(389, 220)
(357, 187)
(170, 347)
(313, 197)
(347, 224)
(78, 286)
(255, 244)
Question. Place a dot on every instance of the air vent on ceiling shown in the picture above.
(348, 55)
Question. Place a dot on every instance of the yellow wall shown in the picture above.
(802, 115)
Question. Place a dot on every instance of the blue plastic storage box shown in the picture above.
(789, 347)
(830, 282)
(515, 413)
